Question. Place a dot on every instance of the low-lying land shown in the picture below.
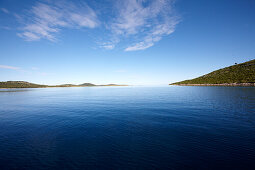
(24, 84)
(236, 75)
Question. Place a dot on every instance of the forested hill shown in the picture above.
(238, 74)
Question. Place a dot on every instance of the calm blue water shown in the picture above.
(128, 128)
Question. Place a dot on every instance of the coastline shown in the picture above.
(59, 87)
(223, 84)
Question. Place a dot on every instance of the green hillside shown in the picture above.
(87, 84)
(19, 84)
(235, 74)
(65, 85)
(24, 84)
(73, 85)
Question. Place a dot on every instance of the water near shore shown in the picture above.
(128, 127)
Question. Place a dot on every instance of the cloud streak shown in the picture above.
(9, 67)
(5, 10)
(154, 36)
(45, 20)
(134, 24)
(147, 21)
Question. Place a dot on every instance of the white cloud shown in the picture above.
(9, 67)
(153, 36)
(131, 16)
(44, 20)
(5, 10)
(110, 43)
(140, 46)
(147, 21)
(134, 24)
(108, 47)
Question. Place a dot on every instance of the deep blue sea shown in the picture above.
(131, 127)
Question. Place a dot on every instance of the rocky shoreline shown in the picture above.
(224, 84)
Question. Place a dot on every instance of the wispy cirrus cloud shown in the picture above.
(32, 70)
(44, 20)
(5, 10)
(134, 24)
(153, 36)
(9, 67)
(145, 21)
(109, 46)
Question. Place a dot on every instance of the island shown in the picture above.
(24, 84)
(236, 75)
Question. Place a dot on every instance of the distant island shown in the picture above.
(24, 84)
(236, 75)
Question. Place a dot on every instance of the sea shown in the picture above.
(129, 127)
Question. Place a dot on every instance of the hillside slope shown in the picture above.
(239, 74)
(24, 84)
(87, 84)
(19, 84)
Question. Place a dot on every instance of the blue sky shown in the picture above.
(144, 42)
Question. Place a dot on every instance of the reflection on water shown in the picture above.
(128, 127)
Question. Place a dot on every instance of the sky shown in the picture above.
(135, 42)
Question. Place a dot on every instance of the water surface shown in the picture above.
(128, 128)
